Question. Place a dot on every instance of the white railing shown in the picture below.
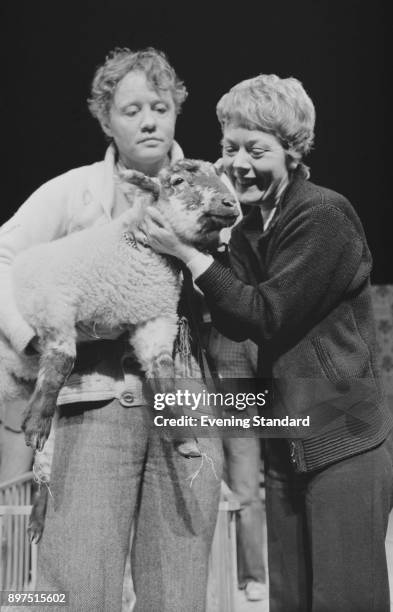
(18, 558)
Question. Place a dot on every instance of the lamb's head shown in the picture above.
(193, 198)
(196, 202)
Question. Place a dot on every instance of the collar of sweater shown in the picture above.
(253, 221)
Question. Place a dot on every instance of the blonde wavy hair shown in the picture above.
(278, 106)
(119, 62)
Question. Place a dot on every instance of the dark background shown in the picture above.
(338, 49)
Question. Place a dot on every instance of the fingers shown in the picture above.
(140, 235)
(148, 229)
(152, 214)
(151, 228)
(153, 231)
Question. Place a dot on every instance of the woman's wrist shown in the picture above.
(186, 253)
(199, 264)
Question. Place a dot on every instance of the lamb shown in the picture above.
(102, 276)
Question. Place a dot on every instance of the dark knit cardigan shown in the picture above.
(301, 291)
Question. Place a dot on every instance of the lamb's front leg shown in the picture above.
(153, 342)
(153, 346)
(56, 362)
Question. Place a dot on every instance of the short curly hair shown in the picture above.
(119, 62)
(278, 106)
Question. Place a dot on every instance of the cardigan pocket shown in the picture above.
(327, 364)
(358, 366)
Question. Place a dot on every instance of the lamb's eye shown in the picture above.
(178, 180)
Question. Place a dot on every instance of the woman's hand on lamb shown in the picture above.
(154, 231)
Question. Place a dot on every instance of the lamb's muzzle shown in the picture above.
(190, 190)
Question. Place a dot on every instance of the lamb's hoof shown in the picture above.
(188, 448)
(38, 513)
(36, 433)
(35, 530)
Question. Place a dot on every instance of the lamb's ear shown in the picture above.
(146, 183)
(191, 165)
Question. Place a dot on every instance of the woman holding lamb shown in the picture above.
(109, 464)
(298, 285)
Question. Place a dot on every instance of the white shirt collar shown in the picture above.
(104, 183)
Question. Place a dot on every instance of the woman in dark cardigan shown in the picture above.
(298, 284)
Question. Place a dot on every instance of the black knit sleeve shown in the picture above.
(318, 256)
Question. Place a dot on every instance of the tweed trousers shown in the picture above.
(112, 469)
